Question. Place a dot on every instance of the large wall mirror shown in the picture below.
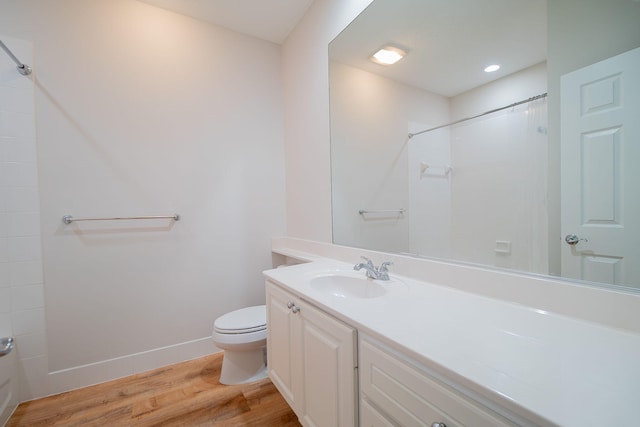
(528, 168)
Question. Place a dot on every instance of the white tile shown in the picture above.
(4, 249)
(20, 150)
(28, 321)
(22, 224)
(24, 248)
(5, 325)
(27, 297)
(5, 300)
(9, 76)
(24, 273)
(4, 225)
(5, 274)
(4, 149)
(31, 345)
(21, 199)
(17, 124)
(18, 174)
(17, 99)
(3, 197)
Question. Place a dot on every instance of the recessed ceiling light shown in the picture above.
(388, 55)
(492, 68)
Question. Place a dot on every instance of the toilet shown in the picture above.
(242, 334)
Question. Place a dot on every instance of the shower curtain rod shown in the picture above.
(23, 69)
(495, 110)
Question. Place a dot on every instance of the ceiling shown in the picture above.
(270, 20)
(449, 42)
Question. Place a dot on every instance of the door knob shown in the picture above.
(572, 239)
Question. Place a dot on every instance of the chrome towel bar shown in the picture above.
(396, 211)
(68, 219)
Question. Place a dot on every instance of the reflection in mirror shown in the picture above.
(484, 190)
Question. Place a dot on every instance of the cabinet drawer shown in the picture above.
(410, 397)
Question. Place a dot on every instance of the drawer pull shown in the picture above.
(289, 305)
(438, 425)
(296, 309)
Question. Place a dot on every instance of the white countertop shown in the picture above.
(568, 371)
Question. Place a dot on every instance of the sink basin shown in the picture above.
(344, 286)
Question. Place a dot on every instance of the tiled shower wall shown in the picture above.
(21, 277)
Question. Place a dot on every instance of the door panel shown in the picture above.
(600, 150)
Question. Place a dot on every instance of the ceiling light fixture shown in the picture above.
(388, 55)
(492, 68)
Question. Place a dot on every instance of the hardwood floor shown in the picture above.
(185, 394)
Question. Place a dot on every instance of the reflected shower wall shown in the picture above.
(487, 181)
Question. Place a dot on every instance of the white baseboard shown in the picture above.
(107, 370)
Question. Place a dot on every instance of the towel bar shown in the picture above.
(68, 219)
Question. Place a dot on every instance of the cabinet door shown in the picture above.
(283, 346)
(329, 364)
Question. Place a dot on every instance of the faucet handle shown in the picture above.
(369, 262)
(383, 270)
(385, 265)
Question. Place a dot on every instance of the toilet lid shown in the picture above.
(244, 320)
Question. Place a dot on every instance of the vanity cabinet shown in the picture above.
(393, 392)
(311, 360)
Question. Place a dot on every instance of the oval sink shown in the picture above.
(348, 286)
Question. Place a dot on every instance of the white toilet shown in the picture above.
(242, 334)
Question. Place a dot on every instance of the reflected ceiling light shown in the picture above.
(388, 55)
(492, 68)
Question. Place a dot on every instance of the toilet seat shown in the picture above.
(242, 321)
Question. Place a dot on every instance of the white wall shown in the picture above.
(370, 115)
(306, 105)
(21, 280)
(142, 111)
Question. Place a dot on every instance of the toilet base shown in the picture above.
(240, 367)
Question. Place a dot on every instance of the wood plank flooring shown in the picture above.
(185, 394)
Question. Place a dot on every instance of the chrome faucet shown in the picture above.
(373, 272)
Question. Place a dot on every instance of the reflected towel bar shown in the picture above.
(398, 211)
(68, 219)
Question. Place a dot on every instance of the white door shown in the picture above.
(600, 149)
